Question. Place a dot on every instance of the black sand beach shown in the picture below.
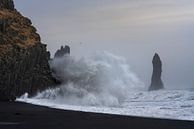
(16, 115)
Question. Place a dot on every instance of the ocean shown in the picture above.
(104, 83)
(171, 104)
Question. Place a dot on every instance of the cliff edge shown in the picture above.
(24, 59)
(7, 4)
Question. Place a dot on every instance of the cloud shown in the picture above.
(124, 27)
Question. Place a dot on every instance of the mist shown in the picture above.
(134, 29)
(101, 79)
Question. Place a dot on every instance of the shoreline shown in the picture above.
(19, 115)
(105, 112)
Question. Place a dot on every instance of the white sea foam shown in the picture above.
(101, 79)
(104, 83)
(175, 104)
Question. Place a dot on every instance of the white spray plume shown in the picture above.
(102, 79)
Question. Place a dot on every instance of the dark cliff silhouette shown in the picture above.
(24, 59)
(7, 4)
(62, 51)
(156, 81)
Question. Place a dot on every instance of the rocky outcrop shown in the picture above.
(2, 25)
(7, 4)
(24, 59)
(62, 51)
(156, 81)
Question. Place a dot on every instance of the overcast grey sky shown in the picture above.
(135, 29)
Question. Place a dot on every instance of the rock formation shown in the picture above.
(2, 25)
(24, 59)
(7, 4)
(63, 51)
(156, 81)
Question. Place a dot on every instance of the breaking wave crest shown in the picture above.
(101, 79)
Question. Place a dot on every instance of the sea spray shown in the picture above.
(103, 83)
(101, 79)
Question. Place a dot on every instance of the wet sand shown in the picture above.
(16, 115)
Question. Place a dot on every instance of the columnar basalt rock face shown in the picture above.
(7, 4)
(62, 51)
(3, 25)
(156, 81)
(24, 59)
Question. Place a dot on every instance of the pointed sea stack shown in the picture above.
(156, 83)
(63, 51)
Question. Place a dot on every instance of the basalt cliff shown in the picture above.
(24, 59)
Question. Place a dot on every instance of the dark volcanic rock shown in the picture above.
(63, 51)
(2, 25)
(25, 70)
(156, 83)
(7, 4)
(24, 59)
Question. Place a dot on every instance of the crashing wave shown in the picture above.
(100, 79)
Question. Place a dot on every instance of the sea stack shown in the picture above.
(156, 81)
(62, 51)
(24, 59)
